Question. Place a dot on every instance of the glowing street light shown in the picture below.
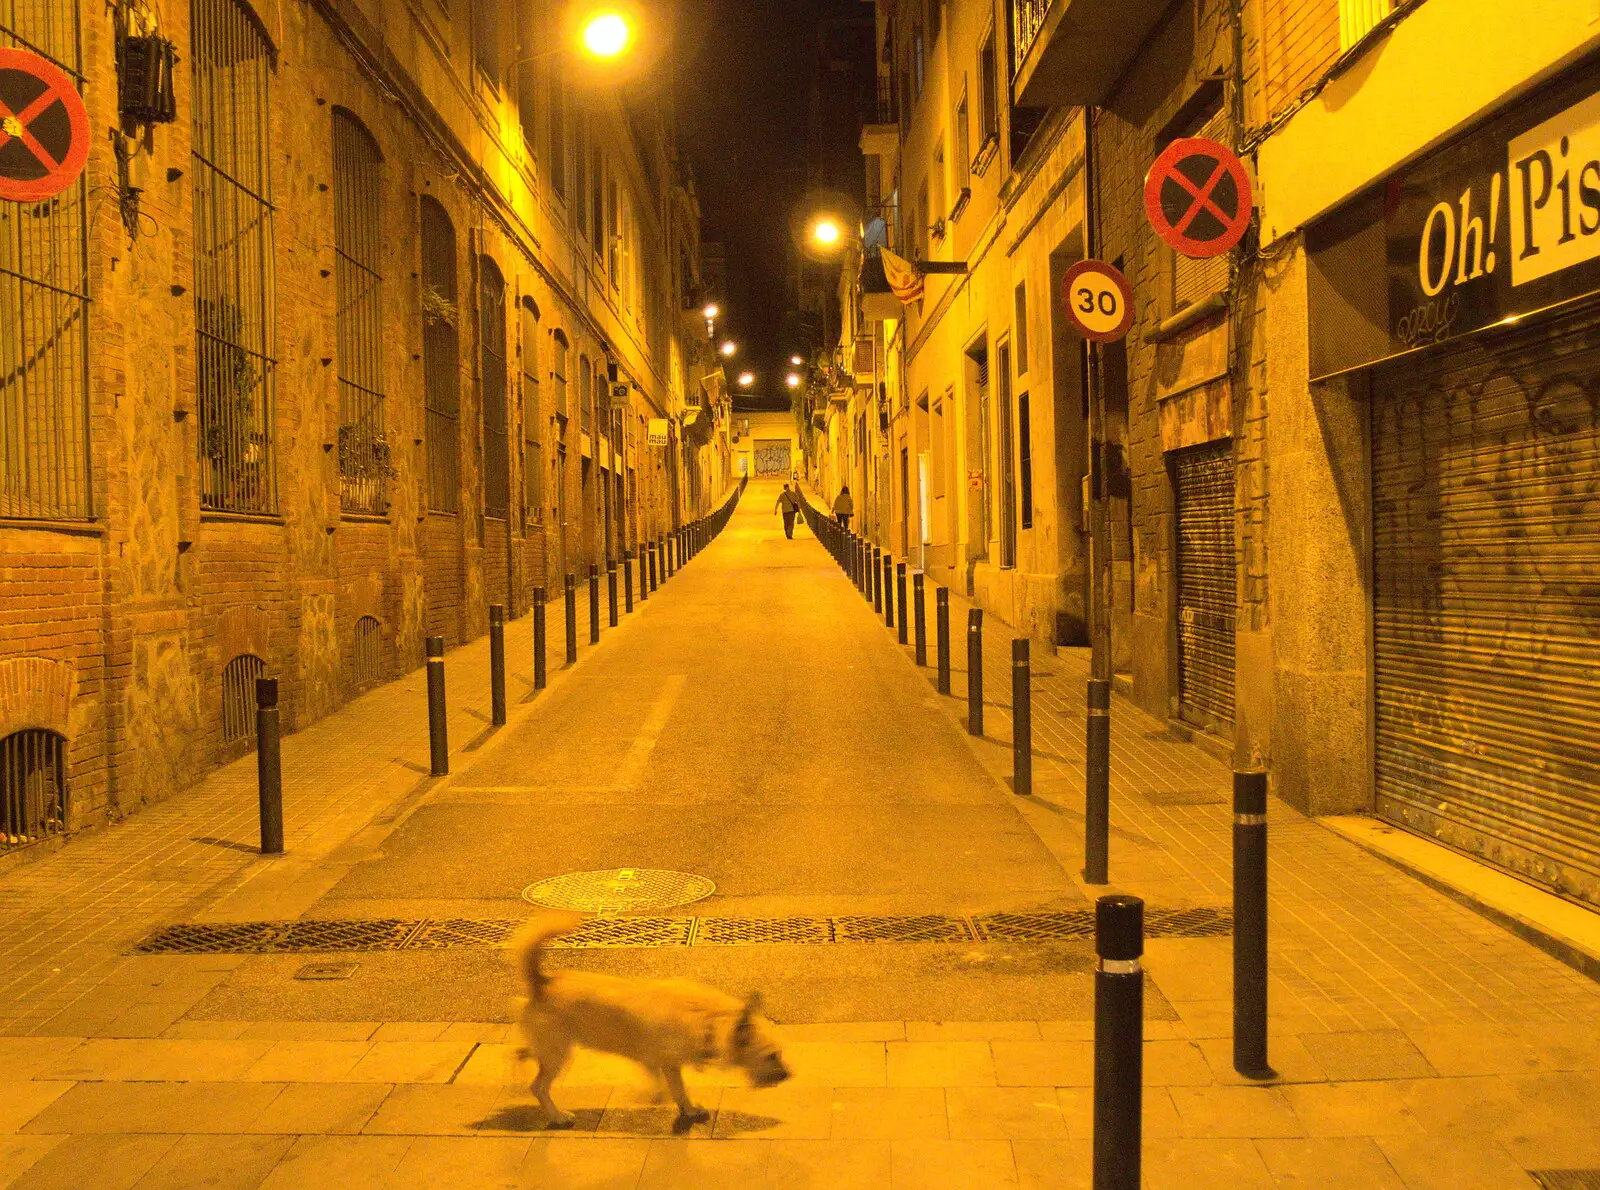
(826, 231)
(607, 35)
(711, 310)
(792, 380)
(746, 379)
(796, 360)
(728, 348)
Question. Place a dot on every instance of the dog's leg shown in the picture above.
(688, 1113)
(552, 1055)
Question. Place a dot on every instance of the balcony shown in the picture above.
(1074, 51)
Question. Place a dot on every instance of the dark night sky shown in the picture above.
(744, 78)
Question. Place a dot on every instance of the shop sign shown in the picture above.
(1499, 224)
(657, 435)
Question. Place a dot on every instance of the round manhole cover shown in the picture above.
(619, 890)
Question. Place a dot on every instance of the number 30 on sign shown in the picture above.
(1099, 300)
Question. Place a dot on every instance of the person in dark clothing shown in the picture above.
(844, 508)
(789, 506)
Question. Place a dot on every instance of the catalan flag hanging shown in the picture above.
(904, 277)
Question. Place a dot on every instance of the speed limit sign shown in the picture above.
(1099, 300)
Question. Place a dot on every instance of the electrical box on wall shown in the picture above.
(145, 67)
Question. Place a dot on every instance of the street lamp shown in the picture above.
(792, 380)
(728, 348)
(607, 35)
(746, 379)
(826, 231)
(711, 310)
(796, 360)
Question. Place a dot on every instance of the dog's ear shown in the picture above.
(752, 1005)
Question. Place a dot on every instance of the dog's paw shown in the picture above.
(688, 1119)
(564, 1120)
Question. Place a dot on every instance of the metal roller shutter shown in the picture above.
(1486, 589)
(1206, 584)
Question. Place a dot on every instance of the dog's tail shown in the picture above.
(528, 943)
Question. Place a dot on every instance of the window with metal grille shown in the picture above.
(558, 373)
(557, 165)
(44, 304)
(963, 144)
(532, 414)
(1019, 333)
(492, 375)
(585, 392)
(239, 696)
(33, 787)
(364, 462)
(1025, 460)
(368, 652)
(1195, 280)
(597, 204)
(441, 369)
(232, 63)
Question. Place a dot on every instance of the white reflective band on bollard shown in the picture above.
(1250, 819)
(1118, 966)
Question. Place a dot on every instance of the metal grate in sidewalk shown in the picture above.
(268, 937)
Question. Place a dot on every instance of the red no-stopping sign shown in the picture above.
(44, 129)
(1198, 197)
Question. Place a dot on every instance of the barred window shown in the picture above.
(232, 62)
(441, 367)
(44, 303)
(364, 461)
(558, 373)
(557, 113)
(492, 373)
(532, 413)
(368, 652)
(33, 787)
(585, 392)
(239, 696)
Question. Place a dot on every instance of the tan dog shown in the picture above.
(664, 1025)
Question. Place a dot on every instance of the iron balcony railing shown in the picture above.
(1027, 19)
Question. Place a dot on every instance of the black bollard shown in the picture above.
(497, 665)
(1118, 1042)
(594, 604)
(540, 676)
(1097, 791)
(887, 578)
(1250, 925)
(975, 671)
(670, 562)
(438, 733)
(1021, 720)
(879, 588)
(269, 766)
(900, 598)
(941, 617)
(571, 597)
(611, 595)
(627, 582)
(920, 610)
(649, 557)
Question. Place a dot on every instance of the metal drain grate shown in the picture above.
(619, 890)
(750, 931)
(1034, 927)
(1187, 923)
(629, 931)
(460, 932)
(1567, 1179)
(326, 971)
(280, 937)
(930, 928)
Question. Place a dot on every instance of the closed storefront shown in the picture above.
(1472, 281)
(1486, 599)
(1203, 486)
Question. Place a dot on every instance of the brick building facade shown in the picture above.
(365, 339)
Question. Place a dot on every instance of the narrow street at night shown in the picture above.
(800, 595)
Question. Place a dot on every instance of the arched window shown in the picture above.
(239, 696)
(368, 652)
(492, 375)
(33, 787)
(558, 373)
(364, 457)
(532, 414)
(235, 309)
(441, 366)
(585, 392)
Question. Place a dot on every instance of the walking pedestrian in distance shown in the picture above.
(789, 506)
(844, 507)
